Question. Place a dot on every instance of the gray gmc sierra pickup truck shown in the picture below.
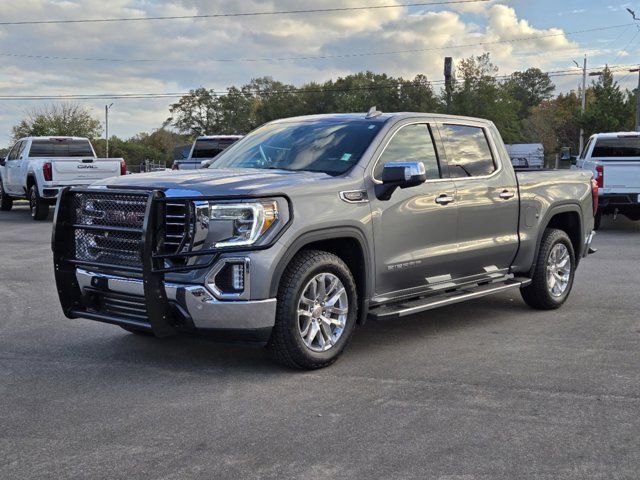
(311, 225)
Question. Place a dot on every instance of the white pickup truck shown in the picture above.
(614, 159)
(204, 150)
(36, 168)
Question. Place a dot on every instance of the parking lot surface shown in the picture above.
(482, 390)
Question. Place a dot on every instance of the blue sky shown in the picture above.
(184, 54)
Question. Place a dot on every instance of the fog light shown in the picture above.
(230, 279)
(237, 277)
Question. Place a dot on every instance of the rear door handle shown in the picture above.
(507, 195)
(444, 199)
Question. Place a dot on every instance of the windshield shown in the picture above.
(332, 147)
(617, 148)
(209, 148)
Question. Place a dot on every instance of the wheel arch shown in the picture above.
(31, 180)
(347, 243)
(568, 218)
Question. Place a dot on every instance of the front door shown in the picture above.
(487, 196)
(414, 231)
(13, 183)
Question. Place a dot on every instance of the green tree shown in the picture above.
(478, 93)
(530, 88)
(608, 108)
(555, 123)
(195, 114)
(59, 119)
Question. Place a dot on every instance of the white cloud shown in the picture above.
(184, 48)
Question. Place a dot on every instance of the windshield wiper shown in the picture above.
(465, 170)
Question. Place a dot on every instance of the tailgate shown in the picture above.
(77, 168)
(621, 177)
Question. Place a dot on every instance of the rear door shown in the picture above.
(73, 160)
(414, 232)
(487, 199)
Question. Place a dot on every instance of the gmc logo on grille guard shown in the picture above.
(123, 217)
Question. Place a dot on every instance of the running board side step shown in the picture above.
(411, 307)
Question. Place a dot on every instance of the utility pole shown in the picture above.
(584, 98)
(634, 70)
(106, 128)
(449, 74)
(637, 70)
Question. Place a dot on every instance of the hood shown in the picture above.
(221, 182)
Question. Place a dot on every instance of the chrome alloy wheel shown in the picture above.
(322, 312)
(558, 270)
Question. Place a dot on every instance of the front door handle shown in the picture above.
(444, 199)
(507, 195)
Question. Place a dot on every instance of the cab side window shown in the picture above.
(412, 143)
(583, 155)
(15, 151)
(468, 151)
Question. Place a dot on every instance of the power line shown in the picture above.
(241, 14)
(103, 96)
(319, 57)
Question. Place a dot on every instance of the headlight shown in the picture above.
(240, 224)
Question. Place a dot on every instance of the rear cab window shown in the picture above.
(468, 151)
(60, 148)
(210, 148)
(617, 148)
(411, 143)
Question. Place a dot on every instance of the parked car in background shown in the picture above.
(311, 225)
(204, 150)
(36, 168)
(526, 155)
(614, 160)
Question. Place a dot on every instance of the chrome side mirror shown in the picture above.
(400, 175)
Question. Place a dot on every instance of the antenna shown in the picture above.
(373, 113)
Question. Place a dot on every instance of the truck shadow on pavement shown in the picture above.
(206, 355)
(20, 214)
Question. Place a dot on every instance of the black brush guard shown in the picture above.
(161, 314)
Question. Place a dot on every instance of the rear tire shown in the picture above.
(6, 202)
(554, 272)
(316, 313)
(39, 209)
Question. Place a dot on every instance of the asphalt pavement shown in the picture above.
(484, 390)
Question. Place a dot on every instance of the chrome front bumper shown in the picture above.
(205, 311)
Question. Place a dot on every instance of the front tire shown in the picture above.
(316, 313)
(39, 209)
(6, 202)
(554, 272)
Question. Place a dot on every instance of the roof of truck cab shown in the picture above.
(616, 134)
(382, 117)
(219, 137)
(57, 137)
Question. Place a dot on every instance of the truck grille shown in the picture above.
(109, 228)
(176, 236)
